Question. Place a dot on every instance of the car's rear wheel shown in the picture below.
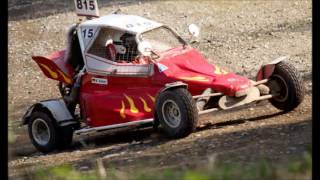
(177, 112)
(45, 135)
(286, 84)
(65, 136)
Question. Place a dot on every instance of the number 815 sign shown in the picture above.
(87, 8)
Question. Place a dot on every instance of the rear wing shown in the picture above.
(54, 67)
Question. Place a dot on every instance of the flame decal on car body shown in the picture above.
(122, 113)
(145, 105)
(153, 99)
(219, 70)
(53, 74)
(133, 108)
(195, 78)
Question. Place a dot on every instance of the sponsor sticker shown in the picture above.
(100, 81)
(162, 67)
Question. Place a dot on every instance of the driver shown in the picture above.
(129, 42)
(131, 51)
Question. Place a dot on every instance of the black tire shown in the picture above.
(53, 139)
(65, 137)
(184, 109)
(59, 137)
(156, 122)
(286, 81)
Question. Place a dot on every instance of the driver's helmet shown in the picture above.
(129, 42)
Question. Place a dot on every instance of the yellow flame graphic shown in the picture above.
(195, 78)
(122, 114)
(219, 70)
(152, 98)
(68, 80)
(145, 105)
(53, 74)
(224, 71)
(133, 108)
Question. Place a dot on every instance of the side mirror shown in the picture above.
(194, 30)
(145, 48)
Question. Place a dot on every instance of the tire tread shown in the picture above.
(187, 125)
(295, 86)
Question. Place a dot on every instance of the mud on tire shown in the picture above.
(177, 112)
(286, 81)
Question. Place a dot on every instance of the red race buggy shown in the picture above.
(124, 71)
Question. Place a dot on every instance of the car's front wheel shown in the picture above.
(287, 85)
(177, 112)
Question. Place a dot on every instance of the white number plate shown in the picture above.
(87, 8)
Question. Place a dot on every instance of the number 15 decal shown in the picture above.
(87, 33)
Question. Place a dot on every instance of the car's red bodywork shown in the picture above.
(124, 99)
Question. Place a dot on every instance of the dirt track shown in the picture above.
(239, 36)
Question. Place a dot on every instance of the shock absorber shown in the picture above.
(72, 99)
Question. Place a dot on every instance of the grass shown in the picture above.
(264, 170)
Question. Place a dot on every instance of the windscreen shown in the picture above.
(161, 39)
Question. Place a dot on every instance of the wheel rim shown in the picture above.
(280, 87)
(40, 131)
(171, 113)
